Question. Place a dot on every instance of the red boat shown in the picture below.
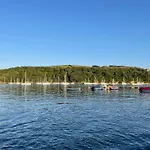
(144, 89)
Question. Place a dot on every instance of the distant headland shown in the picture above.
(67, 74)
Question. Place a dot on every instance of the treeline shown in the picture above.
(76, 74)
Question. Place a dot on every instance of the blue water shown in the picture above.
(49, 117)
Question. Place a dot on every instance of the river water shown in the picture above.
(49, 117)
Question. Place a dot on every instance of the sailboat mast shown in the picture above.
(65, 77)
(25, 77)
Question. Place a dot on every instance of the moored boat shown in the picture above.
(144, 89)
(111, 87)
(95, 88)
(74, 89)
(114, 87)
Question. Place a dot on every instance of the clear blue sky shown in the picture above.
(77, 32)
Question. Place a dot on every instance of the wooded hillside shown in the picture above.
(77, 74)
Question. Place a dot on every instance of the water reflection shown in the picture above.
(50, 117)
(62, 95)
(61, 91)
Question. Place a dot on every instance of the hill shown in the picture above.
(77, 74)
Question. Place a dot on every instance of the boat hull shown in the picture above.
(144, 89)
(111, 87)
(74, 89)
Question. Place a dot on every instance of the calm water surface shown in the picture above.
(49, 117)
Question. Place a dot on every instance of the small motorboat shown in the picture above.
(114, 87)
(144, 89)
(96, 88)
(74, 89)
(111, 87)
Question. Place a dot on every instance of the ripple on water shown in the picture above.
(45, 118)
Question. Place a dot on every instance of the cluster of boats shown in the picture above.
(142, 89)
(94, 88)
(105, 87)
(109, 87)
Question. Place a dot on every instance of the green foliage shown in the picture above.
(77, 74)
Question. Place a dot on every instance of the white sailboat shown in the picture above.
(58, 81)
(123, 82)
(137, 83)
(17, 81)
(39, 83)
(103, 81)
(11, 81)
(4, 80)
(95, 80)
(45, 81)
(87, 82)
(26, 82)
(65, 80)
(113, 82)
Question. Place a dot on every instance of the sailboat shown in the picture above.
(113, 82)
(11, 81)
(39, 83)
(17, 81)
(45, 81)
(136, 83)
(25, 82)
(88, 82)
(58, 81)
(103, 81)
(95, 80)
(123, 82)
(65, 80)
(4, 81)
